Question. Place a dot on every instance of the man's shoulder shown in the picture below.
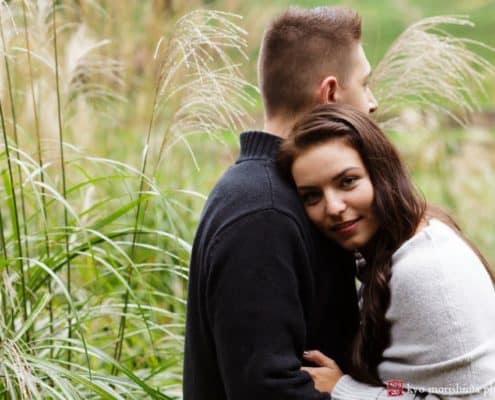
(249, 188)
(257, 184)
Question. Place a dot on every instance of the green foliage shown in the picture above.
(92, 262)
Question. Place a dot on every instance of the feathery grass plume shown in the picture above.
(89, 74)
(429, 68)
(199, 87)
(89, 80)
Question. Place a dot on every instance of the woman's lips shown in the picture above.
(345, 228)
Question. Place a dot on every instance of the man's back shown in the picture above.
(258, 293)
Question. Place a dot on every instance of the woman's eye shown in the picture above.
(349, 181)
(310, 198)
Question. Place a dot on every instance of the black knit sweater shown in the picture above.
(264, 286)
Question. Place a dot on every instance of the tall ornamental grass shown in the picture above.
(431, 70)
(95, 222)
(429, 85)
(92, 285)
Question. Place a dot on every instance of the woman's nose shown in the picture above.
(334, 204)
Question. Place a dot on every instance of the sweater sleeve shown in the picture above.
(442, 323)
(443, 316)
(258, 267)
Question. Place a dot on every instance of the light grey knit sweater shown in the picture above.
(442, 315)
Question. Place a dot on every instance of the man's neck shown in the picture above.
(279, 126)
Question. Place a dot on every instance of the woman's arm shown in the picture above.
(329, 378)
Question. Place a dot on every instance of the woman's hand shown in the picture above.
(326, 375)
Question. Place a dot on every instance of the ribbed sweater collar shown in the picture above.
(257, 144)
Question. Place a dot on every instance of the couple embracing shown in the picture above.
(319, 198)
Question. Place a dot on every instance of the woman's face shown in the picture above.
(337, 192)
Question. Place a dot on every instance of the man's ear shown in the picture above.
(328, 90)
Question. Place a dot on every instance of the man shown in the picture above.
(264, 285)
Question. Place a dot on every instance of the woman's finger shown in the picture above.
(319, 359)
(309, 370)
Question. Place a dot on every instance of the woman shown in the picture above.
(427, 295)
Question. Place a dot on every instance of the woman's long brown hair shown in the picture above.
(397, 205)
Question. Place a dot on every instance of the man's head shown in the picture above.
(314, 56)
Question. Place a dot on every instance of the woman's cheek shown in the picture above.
(315, 215)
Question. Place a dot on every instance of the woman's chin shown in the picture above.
(350, 244)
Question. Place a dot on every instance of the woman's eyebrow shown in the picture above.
(335, 178)
(341, 174)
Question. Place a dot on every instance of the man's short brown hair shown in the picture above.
(300, 48)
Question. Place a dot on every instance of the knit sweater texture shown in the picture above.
(442, 316)
(264, 286)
